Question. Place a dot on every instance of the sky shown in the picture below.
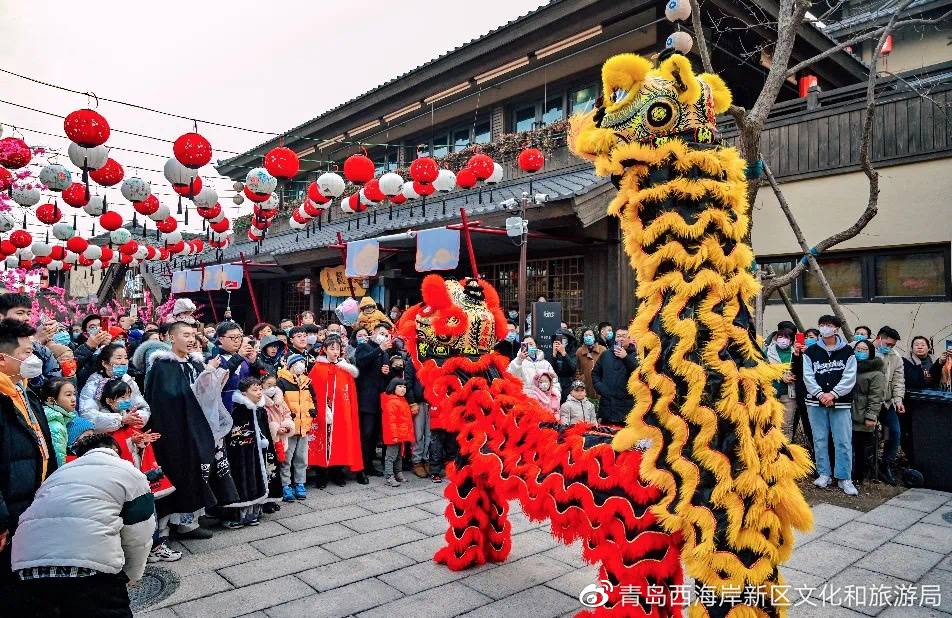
(261, 65)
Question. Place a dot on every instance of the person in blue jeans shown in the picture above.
(829, 373)
(886, 340)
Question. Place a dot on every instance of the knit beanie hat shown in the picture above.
(182, 305)
(76, 428)
(295, 358)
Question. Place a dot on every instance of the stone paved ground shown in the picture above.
(367, 551)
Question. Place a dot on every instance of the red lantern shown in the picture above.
(151, 252)
(43, 260)
(110, 220)
(66, 266)
(129, 248)
(7, 248)
(256, 197)
(192, 150)
(6, 179)
(210, 213)
(282, 163)
(481, 165)
(314, 193)
(75, 195)
(58, 253)
(218, 244)
(465, 179)
(77, 244)
(109, 174)
(84, 261)
(147, 207)
(14, 153)
(424, 169)
(262, 224)
(423, 189)
(372, 191)
(264, 214)
(166, 225)
(197, 245)
(189, 190)
(220, 227)
(359, 169)
(87, 128)
(26, 264)
(355, 204)
(49, 214)
(312, 210)
(106, 256)
(21, 239)
(125, 259)
(531, 160)
(399, 198)
(177, 247)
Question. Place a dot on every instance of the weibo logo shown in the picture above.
(595, 595)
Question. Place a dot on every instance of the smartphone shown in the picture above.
(524, 347)
(801, 338)
(948, 345)
(105, 323)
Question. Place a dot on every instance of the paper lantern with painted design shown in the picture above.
(256, 197)
(25, 195)
(206, 198)
(7, 221)
(63, 231)
(56, 177)
(75, 195)
(92, 252)
(41, 249)
(14, 153)
(331, 184)
(259, 181)
(134, 189)
(445, 181)
(95, 207)
(21, 238)
(315, 195)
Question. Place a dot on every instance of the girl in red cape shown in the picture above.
(335, 432)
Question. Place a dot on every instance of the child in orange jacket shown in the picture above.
(397, 429)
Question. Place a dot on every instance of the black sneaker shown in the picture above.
(886, 476)
(373, 472)
(362, 478)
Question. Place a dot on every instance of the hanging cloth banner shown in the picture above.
(222, 277)
(185, 281)
(334, 283)
(437, 249)
(363, 257)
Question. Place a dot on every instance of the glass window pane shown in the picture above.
(524, 119)
(553, 111)
(441, 146)
(460, 139)
(481, 135)
(845, 276)
(780, 268)
(583, 100)
(916, 274)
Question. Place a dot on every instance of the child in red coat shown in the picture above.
(397, 429)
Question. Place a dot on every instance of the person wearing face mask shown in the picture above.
(780, 352)
(360, 335)
(113, 364)
(313, 340)
(829, 372)
(27, 456)
(395, 313)
(19, 307)
(862, 333)
(606, 335)
(370, 316)
(867, 403)
(610, 377)
(564, 359)
(546, 394)
(373, 361)
(509, 345)
(587, 355)
(893, 406)
(529, 363)
(299, 395)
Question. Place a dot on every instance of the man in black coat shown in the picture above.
(509, 346)
(610, 377)
(26, 448)
(373, 362)
(564, 360)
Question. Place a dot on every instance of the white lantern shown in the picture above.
(255, 234)
(330, 184)
(269, 204)
(54, 266)
(238, 186)
(220, 236)
(93, 252)
(445, 181)
(206, 198)
(12, 261)
(239, 199)
(89, 158)
(135, 189)
(408, 191)
(97, 265)
(95, 206)
(63, 231)
(70, 257)
(677, 10)
(344, 205)
(26, 253)
(496, 176)
(178, 174)
(115, 257)
(161, 214)
(120, 236)
(390, 184)
(7, 222)
(217, 218)
(25, 195)
(680, 41)
(141, 253)
(41, 249)
(295, 225)
(56, 177)
(364, 199)
(260, 181)
(172, 238)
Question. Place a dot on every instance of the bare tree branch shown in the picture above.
(786, 300)
(700, 39)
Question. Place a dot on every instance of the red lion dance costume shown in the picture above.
(701, 472)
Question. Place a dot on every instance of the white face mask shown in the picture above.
(545, 385)
(783, 343)
(827, 331)
(297, 368)
(381, 338)
(271, 391)
(30, 367)
(311, 339)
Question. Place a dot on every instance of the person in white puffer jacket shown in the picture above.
(529, 363)
(86, 535)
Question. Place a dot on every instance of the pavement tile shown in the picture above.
(302, 538)
(538, 602)
(532, 542)
(937, 517)
(346, 572)
(273, 567)
(927, 536)
(437, 507)
(902, 561)
(913, 612)
(832, 516)
(319, 500)
(853, 588)
(372, 541)
(289, 509)
(159, 613)
(339, 602)
(243, 600)
(822, 558)
(521, 523)
(227, 538)
(445, 601)
(391, 503)
(918, 500)
(573, 582)
(323, 517)
(860, 535)
(387, 519)
(195, 587)
(820, 610)
(894, 517)
(569, 554)
(425, 575)
(433, 525)
(512, 577)
(802, 538)
(945, 564)
(423, 549)
(191, 564)
(942, 579)
(798, 579)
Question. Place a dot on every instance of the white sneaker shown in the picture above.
(848, 488)
(823, 481)
(163, 553)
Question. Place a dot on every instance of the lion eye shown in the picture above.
(618, 94)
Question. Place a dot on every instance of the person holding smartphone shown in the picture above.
(529, 364)
(238, 356)
(610, 377)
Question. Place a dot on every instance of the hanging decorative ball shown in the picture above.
(25, 253)
(262, 213)
(311, 209)
(465, 178)
(141, 252)
(55, 177)
(75, 195)
(41, 249)
(256, 197)
(125, 259)
(21, 238)
(282, 163)
(172, 238)
(390, 184)
(221, 235)
(423, 189)
(217, 217)
(49, 213)
(192, 150)
(481, 165)
(680, 41)
(7, 248)
(11, 262)
(255, 235)
(92, 252)
(147, 206)
(111, 221)
(269, 204)
(189, 190)
(238, 199)
(364, 200)
(197, 245)
(161, 213)
(166, 225)
(109, 174)
(399, 198)
(677, 10)
(445, 181)
(238, 185)
(14, 153)
(345, 204)
(70, 257)
(299, 216)
(424, 169)
(315, 195)
(358, 169)
(151, 252)
(263, 224)
(96, 265)
(210, 213)
(178, 174)
(95, 206)
(331, 184)
(186, 249)
(25, 195)
(408, 191)
(87, 128)
(6, 179)
(260, 181)
(496, 176)
(63, 231)
(58, 253)
(54, 265)
(372, 191)
(206, 198)
(42, 260)
(295, 224)
(88, 158)
(119, 236)
(133, 189)
(107, 254)
(531, 160)
(7, 221)
(220, 226)
(77, 244)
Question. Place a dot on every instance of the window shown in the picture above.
(583, 100)
(460, 139)
(524, 119)
(553, 111)
(385, 162)
(558, 279)
(843, 274)
(911, 274)
(294, 301)
(482, 133)
(441, 145)
(779, 268)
